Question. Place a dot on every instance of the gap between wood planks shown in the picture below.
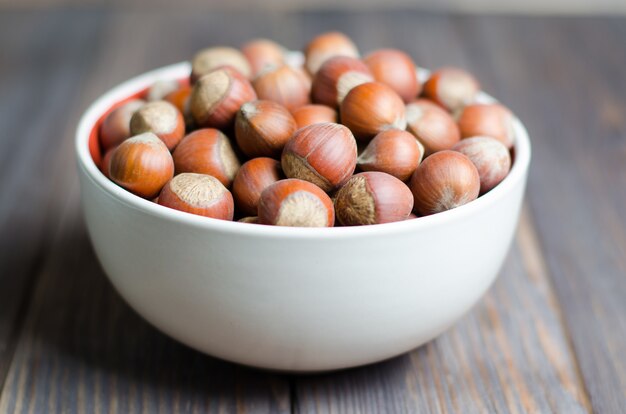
(37, 237)
(530, 249)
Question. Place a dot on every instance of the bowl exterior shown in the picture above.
(309, 304)
(295, 301)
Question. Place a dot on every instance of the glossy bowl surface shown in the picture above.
(294, 299)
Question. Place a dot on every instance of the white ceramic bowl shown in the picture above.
(295, 299)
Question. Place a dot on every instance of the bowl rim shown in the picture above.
(180, 70)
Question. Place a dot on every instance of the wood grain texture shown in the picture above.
(548, 337)
(578, 177)
(36, 79)
(84, 350)
(509, 355)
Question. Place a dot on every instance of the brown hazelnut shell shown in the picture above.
(451, 88)
(198, 194)
(314, 114)
(324, 154)
(285, 85)
(371, 108)
(443, 181)
(295, 203)
(179, 97)
(263, 53)
(336, 77)
(161, 118)
(142, 164)
(217, 96)
(262, 128)
(491, 158)
(115, 127)
(253, 177)
(492, 120)
(209, 59)
(372, 198)
(106, 162)
(327, 45)
(433, 126)
(395, 152)
(207, 151)
(395, 69)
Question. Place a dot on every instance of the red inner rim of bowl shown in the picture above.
(95, 149)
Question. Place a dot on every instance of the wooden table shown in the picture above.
(550, 336)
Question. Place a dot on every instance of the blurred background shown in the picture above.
(471, 6)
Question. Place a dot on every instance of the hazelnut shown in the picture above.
(106, 162)
(115, 127)
(325, 46)
(313, 114)
(371, 108)
(432, 126)
(304, 74)
(492, 120)
(262, 128)
(295, 203)
(324, 154)
(217, 96)
(142, 164)
(161, 118)
(491, 158)
(252, 178)
(263, 53)
(452, 88)
(443, 181)
(199, 194)
(395, 69)
(161, 88)
(179, 98)
(285, 85)
(372, 198)
(395, 152)
(207, 60)
(336, 77)
(207, 151)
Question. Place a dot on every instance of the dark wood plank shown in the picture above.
(38, 75)
(575, 112)
(511, 353)
(82, 349)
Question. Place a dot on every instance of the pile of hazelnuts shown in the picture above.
(334, 139)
